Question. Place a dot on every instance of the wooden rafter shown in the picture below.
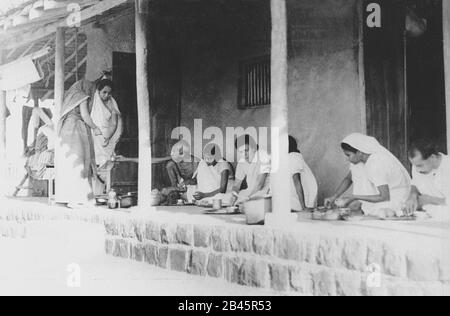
(52, 55)
(69, 58)
(72, 72)
(46, 30)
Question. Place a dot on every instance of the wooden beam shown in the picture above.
(41, 32)
(69, 58)
(3, 111)
(34, 55)
(59, 71)
(73, 71)
(143, 101)
(446, 26)
(53, 54)
(280, 177)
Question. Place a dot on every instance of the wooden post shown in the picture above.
(3, 111)
(143, 102)
(446, 25)
(59, 72)
(58, 92)
(280, 177)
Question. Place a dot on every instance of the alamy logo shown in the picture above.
(374, 278)
(74, 18)
(74, 275)
(265, 138)
(374, 17)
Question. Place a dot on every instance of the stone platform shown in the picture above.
(305, 258)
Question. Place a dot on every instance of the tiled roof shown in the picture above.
(27, 12)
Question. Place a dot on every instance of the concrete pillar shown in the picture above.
(142, 9)
(59, 71)
(446, 25)
(58, 90)
(280, 177)
(3, 111)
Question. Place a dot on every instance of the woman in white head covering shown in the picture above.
(381, 185)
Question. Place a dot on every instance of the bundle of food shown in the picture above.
(336, 214)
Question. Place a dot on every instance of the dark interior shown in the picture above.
(425, 75)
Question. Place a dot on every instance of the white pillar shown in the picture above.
(59, 90)
(446, 25)
(59, 71)
(142, 8)
(3, 111)
(280, 177)
(2, 117)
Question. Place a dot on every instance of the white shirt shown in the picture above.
(261, 164)
(209, 178)
(382, 170)
(309, 182)
(436, 183)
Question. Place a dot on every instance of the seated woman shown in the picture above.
(40, 157)
(254, 167)
(214, 175)
(106, 115)
(304, 186)
(381, 185)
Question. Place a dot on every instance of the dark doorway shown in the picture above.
(404, 74)
(384, 65)
(425, 74)
(124, 76)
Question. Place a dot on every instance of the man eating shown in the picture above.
(431, 179)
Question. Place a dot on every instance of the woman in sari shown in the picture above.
(75, 159)
(381, 185)
(106, 115)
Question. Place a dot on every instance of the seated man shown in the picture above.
(254, 166)
(214, 175)
(181, 169)
(431, 179)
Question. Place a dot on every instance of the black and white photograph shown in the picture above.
(225, 154)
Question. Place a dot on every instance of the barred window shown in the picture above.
(254, 82)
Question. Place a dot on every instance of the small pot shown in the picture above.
(217, 204)
(128, 201)
(255, 210)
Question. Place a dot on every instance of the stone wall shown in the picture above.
(15, 230)
(291, 262)
(305, 259)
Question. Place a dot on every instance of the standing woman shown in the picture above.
(106, 115)
(75, 159)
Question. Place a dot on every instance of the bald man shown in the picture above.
(183, 166)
